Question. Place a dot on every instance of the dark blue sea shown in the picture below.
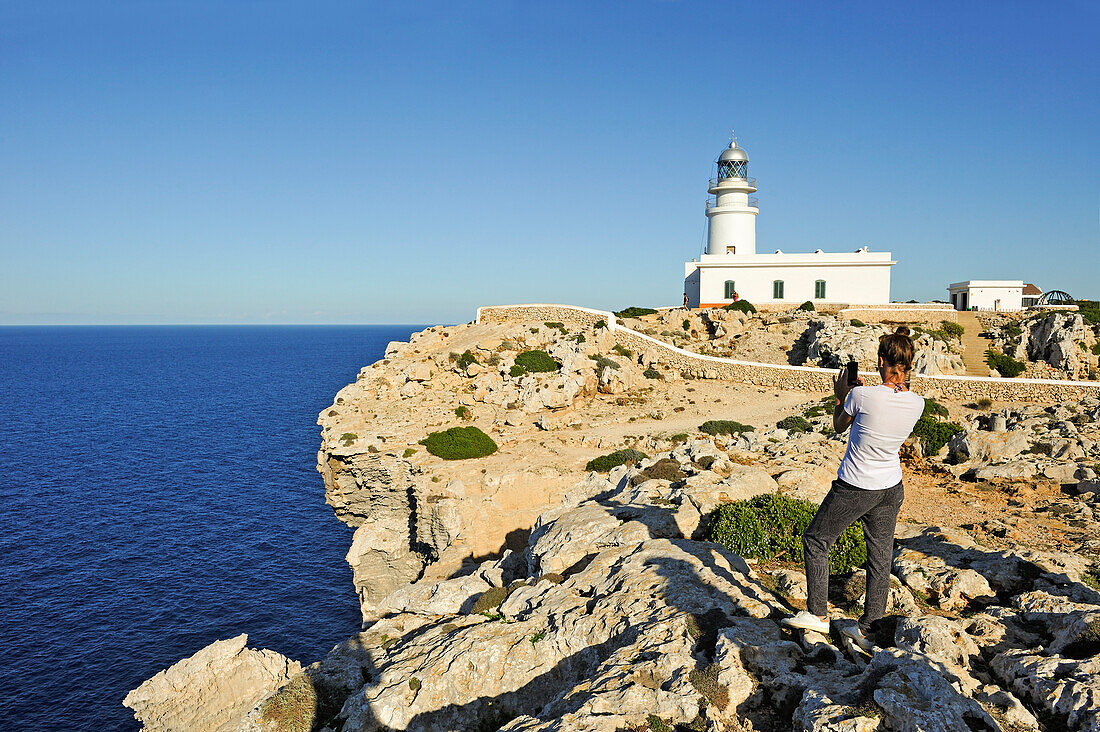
(158, 492)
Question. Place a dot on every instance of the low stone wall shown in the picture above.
(909, 314)
(801, 378)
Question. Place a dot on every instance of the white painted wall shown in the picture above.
(858, 279)
(1000, 295)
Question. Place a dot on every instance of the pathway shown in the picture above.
(974, 345)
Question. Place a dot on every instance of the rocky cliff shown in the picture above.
(519, 591)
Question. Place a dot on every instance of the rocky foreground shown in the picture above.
(519, 592)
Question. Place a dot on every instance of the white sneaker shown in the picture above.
(854, 634)
(807, 621)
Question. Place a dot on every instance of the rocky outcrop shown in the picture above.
(831, 342)
(1064, 341)
(212, 690)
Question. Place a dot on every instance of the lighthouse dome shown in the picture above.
(733, 153)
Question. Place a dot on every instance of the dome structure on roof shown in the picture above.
(733, 152)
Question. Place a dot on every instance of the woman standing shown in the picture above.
(868, 487)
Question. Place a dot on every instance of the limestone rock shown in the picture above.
(211, 691)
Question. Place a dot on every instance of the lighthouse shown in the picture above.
(731, 214)
(731, 269)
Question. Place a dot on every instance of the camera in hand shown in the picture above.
(853, 373)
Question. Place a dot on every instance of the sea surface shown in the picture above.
(158, 492)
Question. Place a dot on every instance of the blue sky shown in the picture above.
(329, 162)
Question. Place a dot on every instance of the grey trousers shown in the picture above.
(842, 507)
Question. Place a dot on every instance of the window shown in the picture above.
(731, 250)
(819, 290)
(777, 290)
(729, 289)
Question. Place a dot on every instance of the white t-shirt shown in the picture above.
(884, 418)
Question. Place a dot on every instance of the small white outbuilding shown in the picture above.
(997, 295)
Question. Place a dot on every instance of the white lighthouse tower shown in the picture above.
(731, 269)
(731, 213)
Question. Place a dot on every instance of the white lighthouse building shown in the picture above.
(731, 264)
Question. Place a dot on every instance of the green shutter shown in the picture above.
(729, 289)
(819, 289)
(777, 290)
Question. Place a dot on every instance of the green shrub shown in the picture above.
(1013, 330)
(679, 437)
(536, 362)
(409, 452)
(932, 408)
(795, 423)
(984, 403)
(634, 312)
(856, 322)
(605, 463)
(489, 600)
(603, 362)
(724, 427)
(601, 323)
(807, 306)
(1096, 348)
(348, 437)
(934, 434)
(687, 324)
(1004, 364)
(1090, 311)
(953, 329)
(743, 306)
(466, 359)
(664, 469)
(656, 724)
(552, 326)
(415, 684)
(463, 412)
(459, 443)
(579, 338)
(652, 373)
(622, 351)
(770, 527)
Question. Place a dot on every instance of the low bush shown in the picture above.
(536, 362)
(1005, 365)
(795, 423)
(603, 362)
(770, 527)
(1090, 311)
(724, 427)
(466, 359)
(664, 469)
(463, 412)
(517, 370)
(743, 306)
(807, 306)
(985, 403)
(348, 437)
(296, 707)
(634, 312)
(856, 322)
(605, 463)
(409, 452)
(622, 350)
(934, 434)
(601, 323)
(555, 325)
(652, 373)
(490, 600)
(459, 443)
(578, 338)
(932, 408)
(953, 329)
(686, 324)
(1013, 330)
